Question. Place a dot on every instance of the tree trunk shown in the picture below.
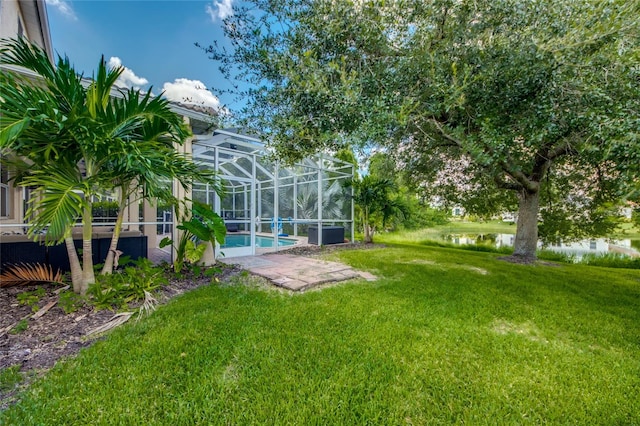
(88, 276)
(74, 262)
(111, 254)
(527, 227)
(368, 238)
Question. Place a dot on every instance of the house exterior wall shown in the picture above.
(10, 19)
(26, 18)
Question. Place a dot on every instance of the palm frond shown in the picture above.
(22, 53)
(27, 273)
(148, 306)
(58, 202)
(99, 92)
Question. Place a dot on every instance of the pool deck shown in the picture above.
(297, 273)
(292, 272)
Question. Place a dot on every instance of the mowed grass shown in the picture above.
(443, 336)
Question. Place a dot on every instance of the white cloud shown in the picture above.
(220, 9)
(190, 92)
(64, 8)
(128, 78)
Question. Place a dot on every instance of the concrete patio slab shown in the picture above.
(297, 273)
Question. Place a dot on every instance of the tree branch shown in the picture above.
(448, 137)
(501, 183)
(547, 155)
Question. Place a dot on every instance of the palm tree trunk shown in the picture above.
(74, 262)
(367, 228)
(88, 276)
(111, 254)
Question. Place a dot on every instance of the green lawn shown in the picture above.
(444, 336)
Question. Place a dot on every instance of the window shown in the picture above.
(4, 192)
(593, 244)
(20, 28)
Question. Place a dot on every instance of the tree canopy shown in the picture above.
(496, 105)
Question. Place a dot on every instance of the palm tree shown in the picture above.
(77, 140)
(145, 169)
(373, 197)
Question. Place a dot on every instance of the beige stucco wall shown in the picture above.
(32, 14)
(12, 12)
(9, 14)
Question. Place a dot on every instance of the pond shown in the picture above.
(595, 246)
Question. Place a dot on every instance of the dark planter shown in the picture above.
(13, 252)
(330, 235)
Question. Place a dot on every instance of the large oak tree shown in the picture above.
(495, 104)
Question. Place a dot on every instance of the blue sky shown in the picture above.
(154, 40)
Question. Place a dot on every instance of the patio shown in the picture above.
(297, 273)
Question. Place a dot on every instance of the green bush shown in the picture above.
(611, 260)
(424, 217)
(635, 216)
(128, 285)
(104, 209)
(554, 256)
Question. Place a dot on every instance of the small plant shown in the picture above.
(129, 285)
(211, 273)
(70, 302)
(204, 226)
(21, 326)
(31, 298)
(9, 378)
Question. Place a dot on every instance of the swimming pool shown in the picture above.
(231, 241)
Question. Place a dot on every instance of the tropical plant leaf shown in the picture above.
(166, 241)
(59, 201)
(27, 273)
(11, 132)
(194, 252)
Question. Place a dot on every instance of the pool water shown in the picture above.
(231, 241)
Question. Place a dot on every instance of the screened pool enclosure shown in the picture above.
(272, 205)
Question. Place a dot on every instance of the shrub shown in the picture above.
(128, 285)
(70, 302)
(104, 209)
(611, 260)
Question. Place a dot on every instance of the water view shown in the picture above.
(578, 249)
